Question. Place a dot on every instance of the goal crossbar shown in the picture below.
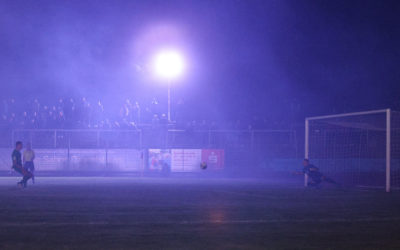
(348, 114)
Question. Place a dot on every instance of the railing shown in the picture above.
(275, 142)
(43, 138)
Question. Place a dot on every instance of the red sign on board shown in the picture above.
(213, 157)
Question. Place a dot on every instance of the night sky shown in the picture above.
(244, 58)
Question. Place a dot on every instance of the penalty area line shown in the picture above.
(200, 222)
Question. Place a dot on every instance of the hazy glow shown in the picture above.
(168, 64)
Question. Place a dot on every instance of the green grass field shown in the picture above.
(171, 213)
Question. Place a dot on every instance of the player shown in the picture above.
(17, 164)
(315, 176)
(28, 157)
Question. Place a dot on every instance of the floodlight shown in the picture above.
(168, 64)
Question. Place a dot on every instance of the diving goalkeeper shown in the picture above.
(315, 176)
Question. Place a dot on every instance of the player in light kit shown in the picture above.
(17, 164)
(28, 157)
(316, 177)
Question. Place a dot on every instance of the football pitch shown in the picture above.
(193, 213)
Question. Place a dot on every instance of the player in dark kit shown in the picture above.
(315, 176)
(17, 164)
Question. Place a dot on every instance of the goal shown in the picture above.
(356, 149)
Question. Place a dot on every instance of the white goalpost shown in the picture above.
(356, 149)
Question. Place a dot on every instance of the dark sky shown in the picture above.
(245, 57)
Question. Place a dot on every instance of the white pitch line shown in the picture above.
(202, 222)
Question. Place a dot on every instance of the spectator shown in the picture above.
(136, 112)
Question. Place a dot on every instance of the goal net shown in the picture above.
(356, 149)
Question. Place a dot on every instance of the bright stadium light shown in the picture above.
(169, 64)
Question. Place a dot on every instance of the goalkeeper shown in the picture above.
(315, 176)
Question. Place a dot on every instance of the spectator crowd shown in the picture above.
(80, 113)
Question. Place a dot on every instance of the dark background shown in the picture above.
(246, 58)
